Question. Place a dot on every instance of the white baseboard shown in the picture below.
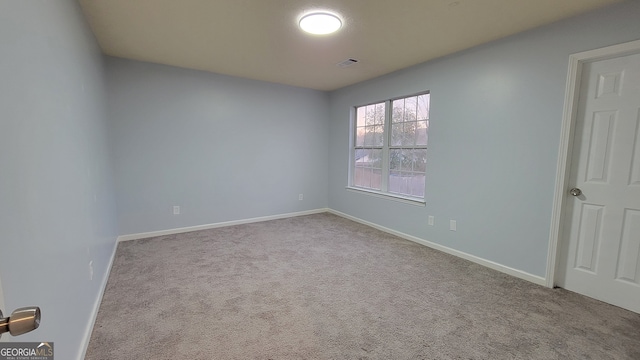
(216, 225)
(478, 260)
(490, 264)
(96, 305)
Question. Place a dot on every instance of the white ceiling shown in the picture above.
(259, 39)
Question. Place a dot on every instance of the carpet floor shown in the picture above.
(324, 287)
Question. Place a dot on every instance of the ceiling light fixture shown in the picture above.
(320, 23)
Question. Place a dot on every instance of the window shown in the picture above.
(389, 152)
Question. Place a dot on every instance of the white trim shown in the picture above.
(216, 225)
(566, 142)
(96, 305)
(490, 264)
(388, 196)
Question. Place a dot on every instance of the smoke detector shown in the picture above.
(347, 63)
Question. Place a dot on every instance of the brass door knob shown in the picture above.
(21, 321)
(575, 192)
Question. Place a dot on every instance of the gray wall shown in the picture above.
(57, 208)
(222, 148)
(493, 142)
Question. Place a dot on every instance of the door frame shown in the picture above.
(571, 99)
(2, 307)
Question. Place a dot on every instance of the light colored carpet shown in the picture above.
(323, 287)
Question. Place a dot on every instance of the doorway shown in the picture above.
(596, 222)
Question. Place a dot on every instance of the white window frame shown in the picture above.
(386, 149)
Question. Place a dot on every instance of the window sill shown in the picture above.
(399, 198)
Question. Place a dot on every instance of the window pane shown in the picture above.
(407, 156)
(360, 115)
(415, 185)
(375, 158)
(376, 179)
(380, 113)
(358, 176)
(395, 159)
(360, 136)
(362, 157)
(397, 183)
(407, 183)
(419, 160)
(409, 159)
(423, 106)
(396, 134)
(410, 105)
(397, 112)
(421, 132)
(366, 177)
(409, 135)
(369, 136)
(379, 135)
(370, 115)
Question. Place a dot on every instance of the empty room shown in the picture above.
(332, 179)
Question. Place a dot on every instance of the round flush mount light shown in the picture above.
(320, 23)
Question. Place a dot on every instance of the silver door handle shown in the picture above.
(575, 192)
(21, 321)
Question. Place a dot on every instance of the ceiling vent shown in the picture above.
(347, 63)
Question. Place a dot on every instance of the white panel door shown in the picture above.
(601, 243)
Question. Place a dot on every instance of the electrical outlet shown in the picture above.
(300, 197)
(431, 218)
(452, 225)
(91, 270)
(176, 210)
